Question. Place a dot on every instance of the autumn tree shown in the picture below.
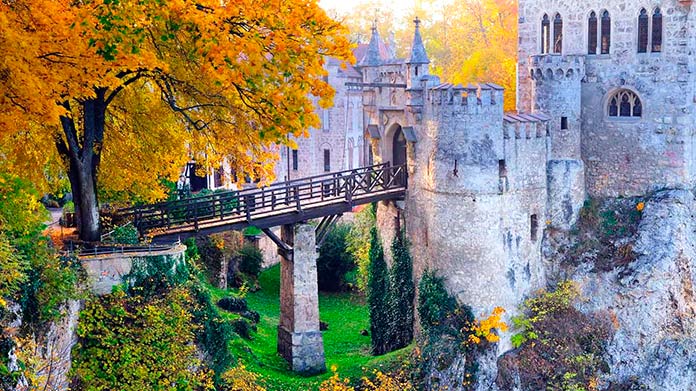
(118, 94)
(468, 41)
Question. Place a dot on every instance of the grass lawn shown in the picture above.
(344, 347)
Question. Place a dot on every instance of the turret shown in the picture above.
(417, 64)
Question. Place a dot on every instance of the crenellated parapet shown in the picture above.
(472, 99)
(550, 67)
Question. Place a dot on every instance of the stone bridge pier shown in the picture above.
(299, 338)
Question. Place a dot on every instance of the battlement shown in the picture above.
(525, 126)
(557, 67)
(470, 99)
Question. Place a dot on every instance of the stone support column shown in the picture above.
(299, 338)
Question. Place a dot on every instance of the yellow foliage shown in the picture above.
(485, 328)
(206, 79)
(379, 382)
(240, 379)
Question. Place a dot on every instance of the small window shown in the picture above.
(327, 160)
(643, 31)
(294, 160)
(592, 34)
(545, 34)
(416, 71)
(502, 169)
(656, 31)
(564, 123)
(606, 32)
(625, 104)
(533, 227)
(558, 34)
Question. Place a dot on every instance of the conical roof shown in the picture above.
(372, 58)
(418, 54)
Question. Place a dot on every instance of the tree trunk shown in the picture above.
(83, 153)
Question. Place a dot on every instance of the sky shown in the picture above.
(343, 6)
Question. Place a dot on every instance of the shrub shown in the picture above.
(251, 315)
(127, 343)
(377, 296)
(232, 304)
(126, 234)
(214, 335)
(192, 253)
(241, 327)
(359, 244)
(250, 260)
(334, 259)
(212, 256)
(559, 347)
(451, 330)
(401, 295)
(152, 276)
(434, 302)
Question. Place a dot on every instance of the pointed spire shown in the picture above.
(418, 54)
(372, 57)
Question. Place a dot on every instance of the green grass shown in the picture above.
(344, 347)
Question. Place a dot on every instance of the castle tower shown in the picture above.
(556, 82)
(418, 62)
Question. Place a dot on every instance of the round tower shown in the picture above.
(556, 92)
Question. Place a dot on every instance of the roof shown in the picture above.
(373, 130)
(514, 118)
(418, 54)
(410, 134)
(372, 57)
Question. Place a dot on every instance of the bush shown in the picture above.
(212, 255)
(241, 327)
(449, 331)
(250, 260)
(233, 304)
(251, 315)
(127, 343)
(126, 234)
(434, 302)
(151, 276)
(359, 244)
(334, 259)
(559, 347)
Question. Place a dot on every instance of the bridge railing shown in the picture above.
(250, 204)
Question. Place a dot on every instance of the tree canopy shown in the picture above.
(123, 92)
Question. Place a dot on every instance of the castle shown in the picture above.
(605, 108)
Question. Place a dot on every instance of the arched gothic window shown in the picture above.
(592, 34)
(657, 31)
(545, 34)
(606, 32)
(558, 34)
(625, 104)
(643, 31)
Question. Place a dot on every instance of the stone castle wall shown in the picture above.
(474, 226)
(622, 156)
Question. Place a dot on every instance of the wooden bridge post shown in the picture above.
(299, 338)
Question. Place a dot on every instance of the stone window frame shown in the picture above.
(650, 12)
(618, 118)
(599, 16)
(547, 44)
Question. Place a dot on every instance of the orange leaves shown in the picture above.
(485, 328)
(236, 78)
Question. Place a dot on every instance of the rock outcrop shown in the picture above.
(651, 299)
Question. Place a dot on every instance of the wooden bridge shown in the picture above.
(282, 203)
